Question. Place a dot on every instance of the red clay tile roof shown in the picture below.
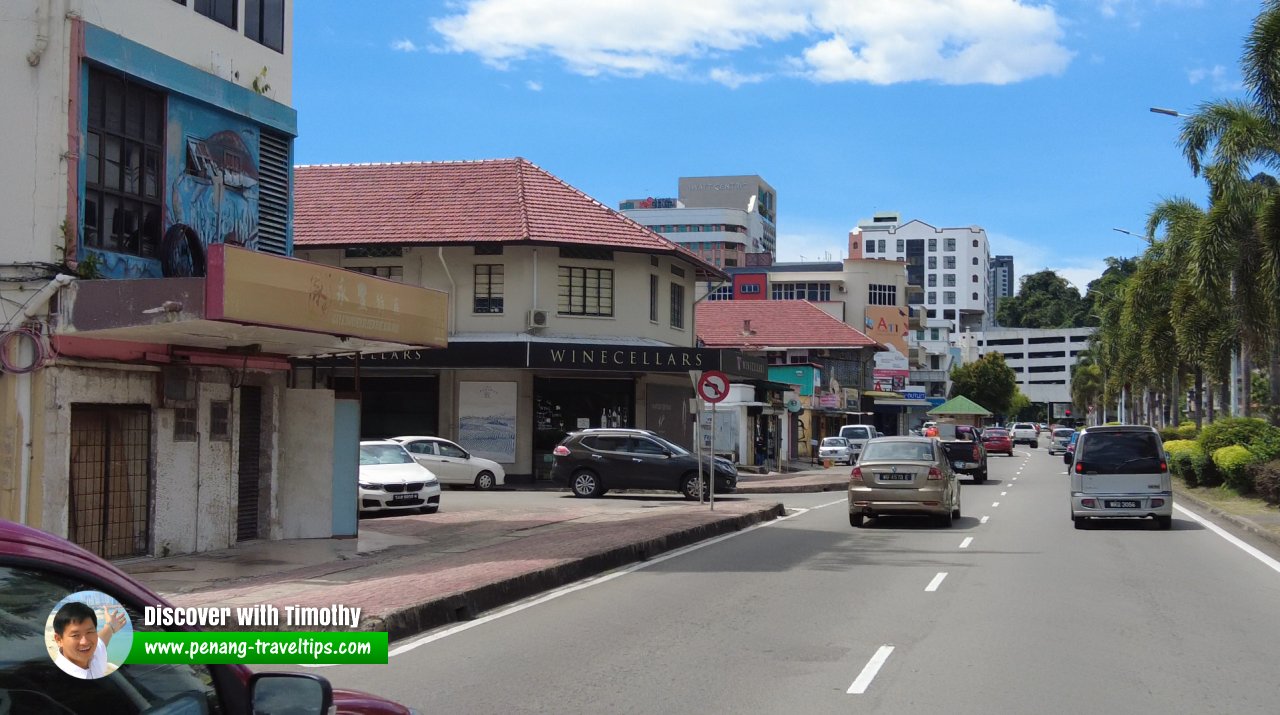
(460, 202)
(774, 323)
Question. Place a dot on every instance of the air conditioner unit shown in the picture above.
(178, 387)
(537, 318)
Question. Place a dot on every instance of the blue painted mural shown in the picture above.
(210, 193)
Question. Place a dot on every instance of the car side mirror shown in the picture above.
(1066, 458)
(666, 452)
(300, 693)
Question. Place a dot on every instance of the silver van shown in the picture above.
(1120, 472)
(857, 436)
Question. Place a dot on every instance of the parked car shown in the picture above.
(41, 569)
(452, 464)
(1025, 433)
(390, 479)
(904, 475)
(592, 462)
(1059, 439)
(997, 440)
(965, 450)
(1120, 472)
(836, 449)
(857, 436)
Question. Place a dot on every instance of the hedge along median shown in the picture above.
(1181, 452)
(1233, 464)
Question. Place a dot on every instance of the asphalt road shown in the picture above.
(808, 615)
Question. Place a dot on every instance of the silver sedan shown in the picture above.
(904, 475)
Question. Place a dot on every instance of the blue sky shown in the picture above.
(1029, 119)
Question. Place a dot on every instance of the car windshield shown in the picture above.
(383, 454)
(675, 448)
(834, 442)
(900, 451)
(1120, 453)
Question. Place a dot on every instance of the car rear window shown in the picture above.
(1120, 453)
(996, 433)
(606, 442)
(834, 442)
(1063, 432)
(907, 451)
(855, 432)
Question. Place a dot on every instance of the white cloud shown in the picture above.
(949, 41)
(533, 86)
(404, 45)
(1217, 77)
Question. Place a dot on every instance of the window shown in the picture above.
(590, 253)
(933, 280)
(871, 246)
(881, 246)
(677, 271)
(184, 424)
(933, 263)
(1047, 354)
(948, 244)
(882, 294)
(751, 289)
(949, 280)
(124, 165)
(933, 334)
(933, 298)
(802, 291)
(490, 281)
(606, 443)
(975, 243)
(799, 359)
(933, 245)
(486, 249)
(585, 291)
(975, 296)
(223, 11)
(451, 450)
(975, 277)
(677, 305)
(902, 245)
(395, 273)
(975, 260)
(642, 445)
(220, 420)
(264, 22)
(421, 447)
(949, 263)
(653, 261)
(720, 293)
(653, 298)
(949, 297)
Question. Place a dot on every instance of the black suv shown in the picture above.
(592, 462)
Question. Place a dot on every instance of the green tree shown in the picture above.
(989, 381)
(1044, 300)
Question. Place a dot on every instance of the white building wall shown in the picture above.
(1017, 347)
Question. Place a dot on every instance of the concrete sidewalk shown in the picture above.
(409, 574)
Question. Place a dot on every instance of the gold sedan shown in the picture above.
(904, 475)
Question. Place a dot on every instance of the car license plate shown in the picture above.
(410, 496)
(958, 465)
(1122, 504)
(893, 477)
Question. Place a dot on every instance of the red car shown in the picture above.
(37, 570)
(997, 440)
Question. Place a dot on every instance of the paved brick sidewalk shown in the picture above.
(429, 570)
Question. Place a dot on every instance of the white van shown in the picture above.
(857, 436)
(1120, 472)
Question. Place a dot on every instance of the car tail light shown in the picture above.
(856, 474)
(1157, 502)
(1164, 466)
(977, 455)
(560, 451)
(935, 473)
(1089, 503)
(1079, 467)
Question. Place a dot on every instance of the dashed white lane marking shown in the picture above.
(868, 673)
(1015, 479)
(967, 540)
(983, 520)
(566, 590)
(995, 503)
(936, 582)
(1004, 494)
(1270, 562)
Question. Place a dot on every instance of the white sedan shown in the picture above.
(453, 464)
(390, 479)
(837, 449)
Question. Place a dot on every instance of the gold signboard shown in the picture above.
(262, 289)
(887, 325)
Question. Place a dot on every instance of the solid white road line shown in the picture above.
(830, 503)
(995, 503)
(967, 540)
(566, 590)
(868, 673)
(983, 520)
(937, 581)
(1270, 562)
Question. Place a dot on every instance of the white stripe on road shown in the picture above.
(937, 581)
(1270, 562)
(983, 520)
(967, 540)
(830, 503)
(1004, 494)
(868, 673)
(566, 590)
(995, 503)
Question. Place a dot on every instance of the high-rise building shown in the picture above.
(947, 268)
(720, 218)
(1002, 279)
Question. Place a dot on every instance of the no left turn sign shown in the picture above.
(713, 386)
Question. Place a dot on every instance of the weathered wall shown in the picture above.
(304, 485)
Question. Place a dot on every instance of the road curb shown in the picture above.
(1242, 522)
(415, 619)
(792, 488)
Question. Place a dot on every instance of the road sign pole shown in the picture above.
(712, 475)
(698, 432)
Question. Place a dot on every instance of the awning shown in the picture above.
(260, 304)
(904, 403)
(881, 394)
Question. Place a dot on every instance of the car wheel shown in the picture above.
(689, 486)
(980, 478)
(485, 481)
(1081, 522)
(955, 511)
(945, 520)
(1164, 523)
(856, 520)
(585, 484)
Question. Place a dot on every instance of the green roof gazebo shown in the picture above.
(961, 409)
